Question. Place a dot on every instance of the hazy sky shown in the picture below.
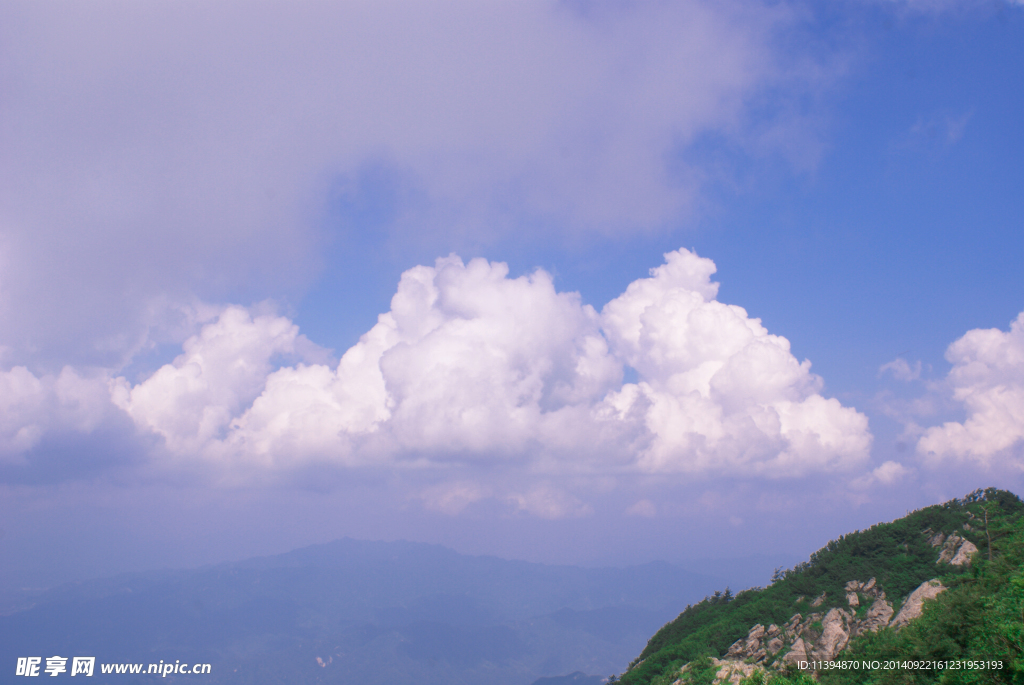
(585, 282)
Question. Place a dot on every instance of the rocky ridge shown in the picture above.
(821, 636)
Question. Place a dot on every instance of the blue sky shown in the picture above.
(202, 218)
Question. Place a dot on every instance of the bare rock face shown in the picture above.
(790, 629)
(818, 601)
(749, 647)
(835, 633)
(956, 550)
(732, 672)
(797, 653)
(878, 615)
(949, 549)
(963, 555)
(911, 609)
(851, 592)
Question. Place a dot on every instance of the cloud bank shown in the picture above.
(472, 368)
(31, 407)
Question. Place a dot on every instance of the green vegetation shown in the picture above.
(980, 616)
(761, 677)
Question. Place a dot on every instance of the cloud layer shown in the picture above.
(162, 150)
(472, 368)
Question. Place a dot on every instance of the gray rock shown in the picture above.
(736, 649)
(912, 608)
(834, 635)
(949, 549)
(750, 646)
(963, 555)
(877, 617)
(732, 671)
(797, 653)
(791, 627)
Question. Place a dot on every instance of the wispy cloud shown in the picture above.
(901, 370)
(944, 129)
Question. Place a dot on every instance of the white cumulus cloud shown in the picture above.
(191, 401)
(471, 369)
(717, 392)
(988, 379)
(468, 364)
(888, 473)
(471, 366)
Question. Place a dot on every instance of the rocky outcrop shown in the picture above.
(818, 637)
(750, 647)
(912, 608)
(790, 628)
(956, 550)
(878, 615)
(963, 555)
(797, 653)
(835, 633)
(732, 672)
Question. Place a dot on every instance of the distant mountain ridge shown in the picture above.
(362, 612)
(943, 583)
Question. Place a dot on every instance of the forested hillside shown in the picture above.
(867, 595)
